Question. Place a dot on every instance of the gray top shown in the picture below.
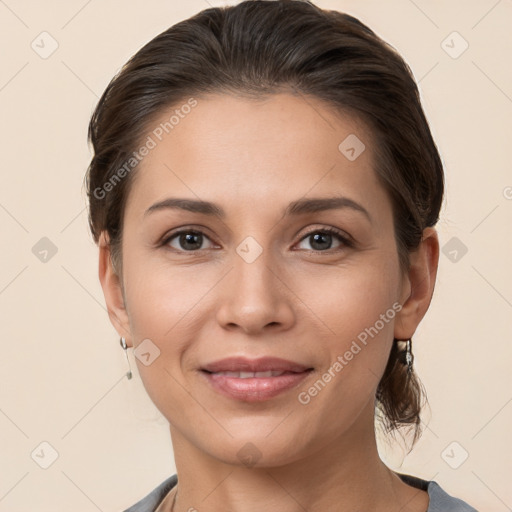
(440, 501)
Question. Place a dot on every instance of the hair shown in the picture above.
(259, 48)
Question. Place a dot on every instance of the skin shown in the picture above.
(253, 158)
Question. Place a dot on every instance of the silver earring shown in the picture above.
(122, 341)
(405, 356)
(409, 358)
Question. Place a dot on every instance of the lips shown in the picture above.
(263, 364)
(248, 375)
(254, 380)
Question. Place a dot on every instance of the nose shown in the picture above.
(256, 297)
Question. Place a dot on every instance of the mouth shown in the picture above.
(254, 380)
(249, 375)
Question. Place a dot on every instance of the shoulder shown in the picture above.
(150, 502)
(440, 500)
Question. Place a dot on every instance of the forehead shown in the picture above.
(256, 151)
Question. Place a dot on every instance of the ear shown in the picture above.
(418, 285)
(112, 290)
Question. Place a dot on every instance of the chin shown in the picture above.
(259, 450)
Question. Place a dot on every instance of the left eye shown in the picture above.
(189, 240)
(321, 238)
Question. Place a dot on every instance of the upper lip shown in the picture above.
(262, 364)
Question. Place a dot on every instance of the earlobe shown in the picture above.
(112, 290)
(418, 285)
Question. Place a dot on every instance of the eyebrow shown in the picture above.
(298, 207)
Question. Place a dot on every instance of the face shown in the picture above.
(271, 273)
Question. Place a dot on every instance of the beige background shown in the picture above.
(62, 369)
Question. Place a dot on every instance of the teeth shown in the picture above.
(249, 375)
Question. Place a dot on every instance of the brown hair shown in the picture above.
(261, 47)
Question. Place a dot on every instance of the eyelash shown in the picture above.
(345, 240)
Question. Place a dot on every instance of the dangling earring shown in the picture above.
(405, 356)
(122, 341)
(409, 358)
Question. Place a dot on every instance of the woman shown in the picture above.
(226, 152)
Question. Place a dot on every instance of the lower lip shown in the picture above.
(254, 389)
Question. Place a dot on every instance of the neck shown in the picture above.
(345, 474)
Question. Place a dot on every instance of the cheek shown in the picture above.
(167, 311)
(349, 299)
(355, 310)
(161, 298)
